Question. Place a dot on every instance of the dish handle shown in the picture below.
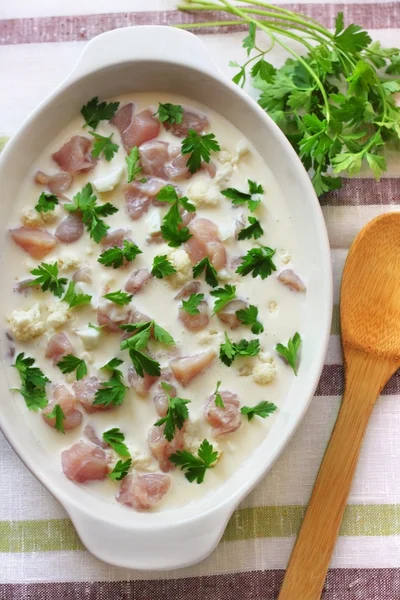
(157, 548)
(145, 42)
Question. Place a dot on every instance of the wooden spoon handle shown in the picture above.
(309, 562)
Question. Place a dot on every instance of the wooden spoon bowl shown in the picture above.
(370, 323)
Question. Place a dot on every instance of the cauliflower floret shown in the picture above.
(224, 275)
(272, 306)
(245, 371)
(32, 218)
(286, 257)
(107, 182)
(224, 174)
(67, 262)
(210, 337)
(90, 337)
(143, 462)
(179, 259)
(242, 149)
(225, 157)
(264, 372)
(193, 437)
(203, 194)
(58, 313)
(26, 324)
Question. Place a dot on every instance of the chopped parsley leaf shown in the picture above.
(290, 351)
(248, 316)
(70, 363)
(47, 278)
(94, 111)
(210, 272)
(192, 303)
(263, 409)
(199, 147)
(115, 256)
(196, 466)
(258, 261)
(33, 382)
(46, 202)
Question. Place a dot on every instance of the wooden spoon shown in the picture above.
(370, 322)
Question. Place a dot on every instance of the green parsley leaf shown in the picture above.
(264, 70)
(141, 335)
(176, 415)
(85, 202)
(115, 438)
(118, 297)
(196, 466)
(199, 147)
(229, 350)
(191, 304)
(162, 267)
(111, 392)
(133, 163)
(113, 365)
(248, 316)
(33, 382)
(94, 111)
(121, 469)
(263, 409)
(46, 203)
(161, 335)
(210, 272)
(103, 145)
(167, 194)
(96, 327)
(74, 299)
(249, 42)
(258, 261)
(144, 363)
(251, 198)
(58, 414)
(217, 397)
(352, 39)
(290, 351)
(70, 363)
(224, 294)
(254, 230)
(170, 113)
(171, 229)
(115, 256)
(47, 278)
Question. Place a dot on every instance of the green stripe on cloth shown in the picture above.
(335, 326)
(245, 524)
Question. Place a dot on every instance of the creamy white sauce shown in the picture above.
(156, 299)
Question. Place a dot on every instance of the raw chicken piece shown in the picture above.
(23, 286)
(57, 184)
(67, 401)
(291, 280)
(141, 385)
(85, 390)
(84, 462)
(160, 399)
(191, 120)
(58, 346)
(188, 367)
(92, 436)
(187, 217)
(162, 449)
(137, 317)
(112, 315)
(143, 127)
(36, 242)
(138, 196)
(153, 157)
(192, 287)
(137, 280)
(76, 155)
(123, 118)
(177, 169)
(143, 491)
(198, 321)
(70, 230)
(83, 275)
(223, 420)
(205, 242)
(228, 313)
(115, 237)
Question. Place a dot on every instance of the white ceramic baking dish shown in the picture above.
(138, 59)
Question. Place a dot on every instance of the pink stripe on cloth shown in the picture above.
(341, 584)
(364, 192)
(84, 27)
(331, 382)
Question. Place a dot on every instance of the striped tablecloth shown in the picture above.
(40, 554)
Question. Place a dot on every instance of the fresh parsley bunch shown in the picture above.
(335, 103)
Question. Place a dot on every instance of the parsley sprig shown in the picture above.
(199, 147)
(119, 297)
(169, 113)
(191, 305)
(75, 299)
(103, 144)
(176, 415)
(263, 409)
(196, 466)
(133, 163)
(251, 198)
(171, 229)
(229, 350)
(249, 316)
(224, 295)
(113, 391)
(33, 382)
(258, 261)
(114, 257)
(162, 267)
(336, 102)
(139, 340)
(70, 363)
(94, 111)
(58, 414)
(290, 352)
(46, 203)
(115, 438)
(47, 278)
(217, 396)
(254, 230)
(85, 202)
(210, 272)
(120, 469)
